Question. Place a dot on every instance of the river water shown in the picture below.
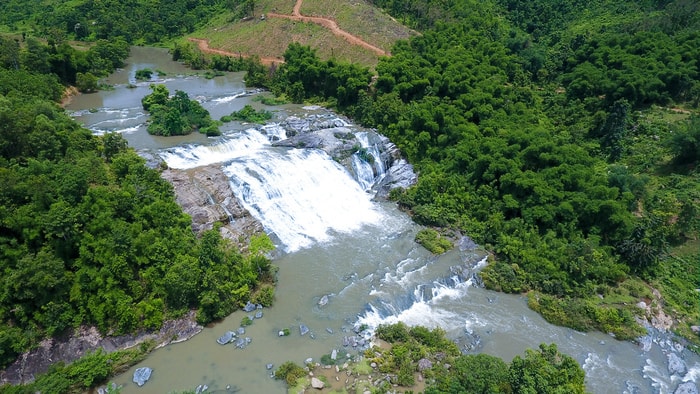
(344, 259)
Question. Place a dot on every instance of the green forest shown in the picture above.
(88, 234)
(563, 136)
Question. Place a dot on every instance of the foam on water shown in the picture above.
(227, 99)
(301, 196)
(192, 156)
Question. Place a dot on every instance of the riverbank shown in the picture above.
(88, 339)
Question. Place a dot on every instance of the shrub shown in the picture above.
(431, 240)
(290, 372)
(144, 74)
(264, 296)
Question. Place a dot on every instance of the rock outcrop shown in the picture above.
(204, 193)
(141, 375)
(333, 135)
(86, 339)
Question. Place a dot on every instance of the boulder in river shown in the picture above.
(141, 375)
(323, 301)
(686, 388)
(249, 307)
(226, 338)
(241, 343)
(676, 365)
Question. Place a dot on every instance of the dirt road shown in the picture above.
(203, 46)
(330, 25)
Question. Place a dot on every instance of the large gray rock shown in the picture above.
(226, 338)
(249, 307)
(399, 175)
(141, 375)
(424, 363)
(676, 365)
(686, 388)
(205, 194)
(317, 383)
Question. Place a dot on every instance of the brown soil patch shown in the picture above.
(203, 46)
(329, 24)
(68, 94)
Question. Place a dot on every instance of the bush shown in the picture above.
(431, 240)
(290, 372)
(327, 360)
(264, 296)
(144, 74)
(250, 114)
(393, 333)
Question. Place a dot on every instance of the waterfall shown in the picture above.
(234, 146)
(302, 196)
(367, 162)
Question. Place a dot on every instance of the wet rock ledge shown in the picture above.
(204, 193)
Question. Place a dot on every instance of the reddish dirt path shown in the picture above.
(203, 46)
(330, 25)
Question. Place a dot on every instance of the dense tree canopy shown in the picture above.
(90, 235)
(137, 21)
(176, 115)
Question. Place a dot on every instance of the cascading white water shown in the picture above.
(305, 199)
(367, 162)
(192, 156)
(301, 196)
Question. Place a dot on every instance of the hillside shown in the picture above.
(364, 32)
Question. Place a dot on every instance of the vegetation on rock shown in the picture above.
(248, 114)
(176, 115)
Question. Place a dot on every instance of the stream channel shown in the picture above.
(344, 258)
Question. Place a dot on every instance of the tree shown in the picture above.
(113, 144)
(546, 371)
(35, 57)
(474, 374)
(159, 95)
(685, 143)
(612, 131)
(86, 82)
(9, 53)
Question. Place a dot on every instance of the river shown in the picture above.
(344, 259)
